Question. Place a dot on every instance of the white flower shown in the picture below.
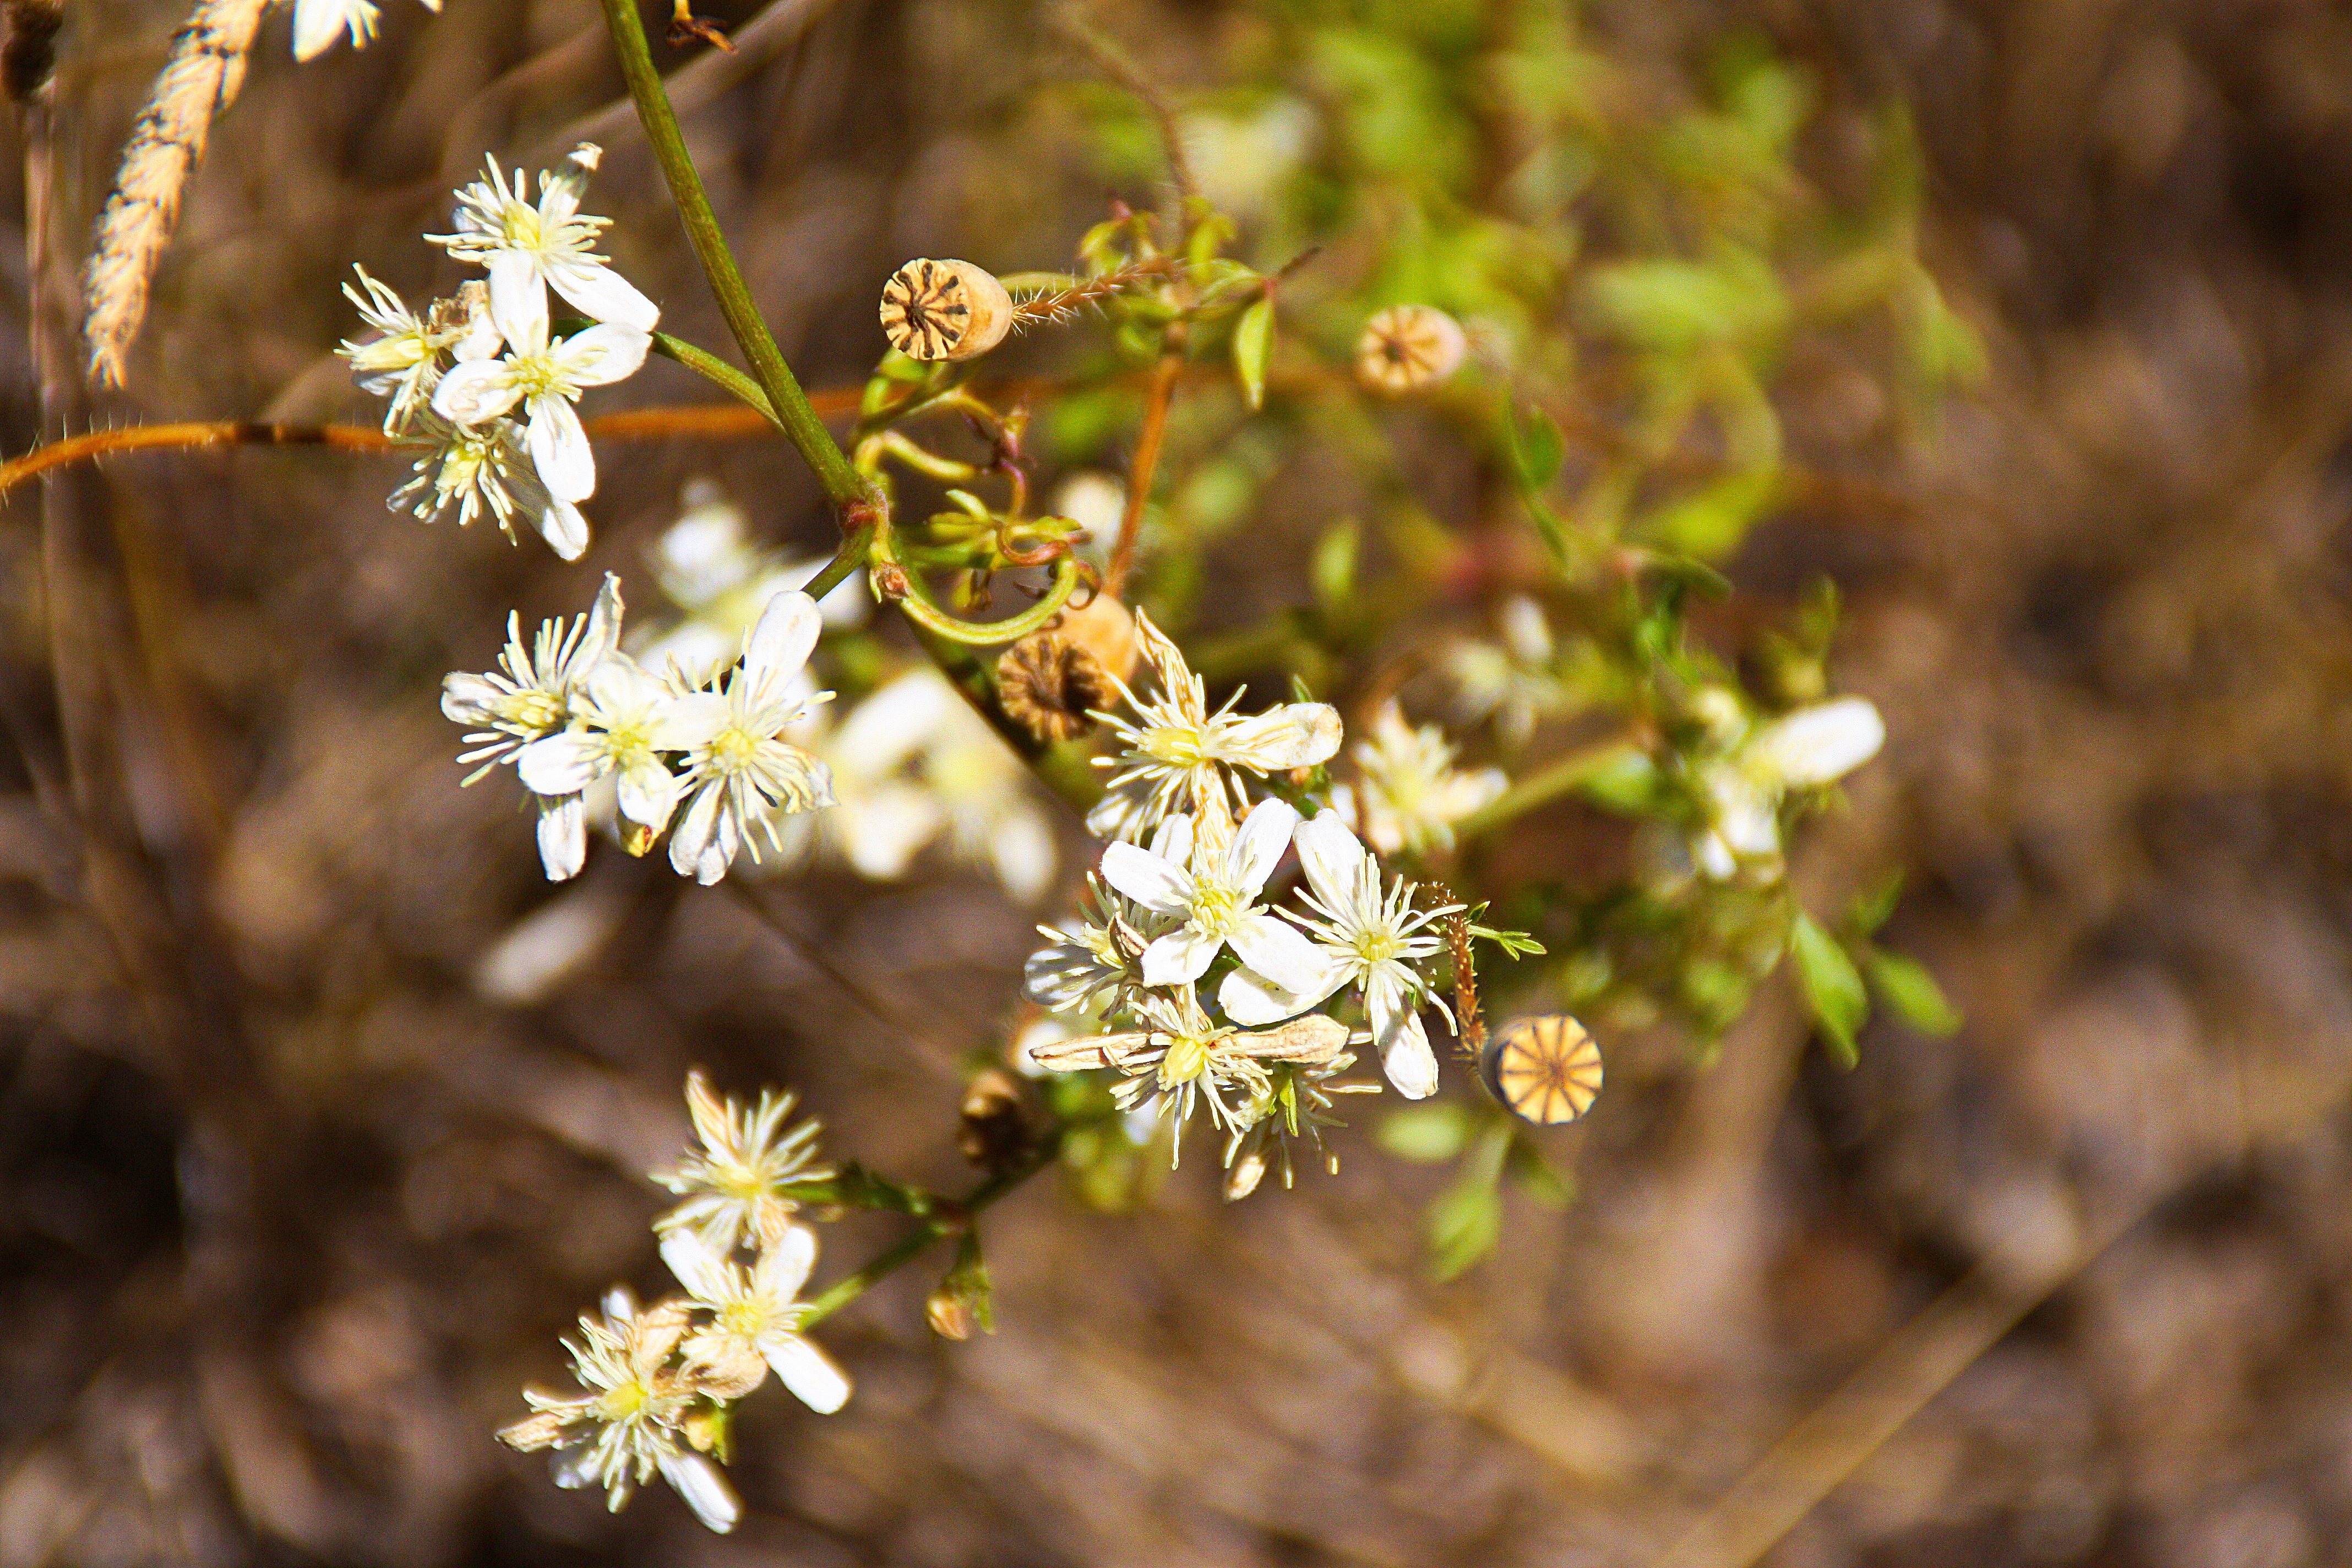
(1804, 750)
(403, 360)
(486, 469)
(623, 720)
(1512, 683)
(1412, 793)
(630, 1422)
(1264, 1143)
(757, 1319)
(319, 23)
(1216, 899)
(546, 380)
(530, 697)
(733, 1183)
(739, 768)
(1364, 940)
(1180, 753)
(530, 248)
(1100, 954)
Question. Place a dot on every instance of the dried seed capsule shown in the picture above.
(1408, 347)
(944, 309)
(1545, 1070)
(1051, 680)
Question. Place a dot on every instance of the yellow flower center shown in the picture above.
(1187, 1058)
(624, 1400)
(1216, 912)
(531, 708)
(1377, 946)
(536, 375)
(1183, 746)
(732, 748)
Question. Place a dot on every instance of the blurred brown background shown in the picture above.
(289, 1211)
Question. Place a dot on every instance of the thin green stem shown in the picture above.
(906, 588)
(788, 404)
(938, 1227)
(1543, 787)
(716, 371)
(855, 548)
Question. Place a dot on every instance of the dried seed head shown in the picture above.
(1408, 347)
(944, 309)
(1050, 680)
(992, 1133)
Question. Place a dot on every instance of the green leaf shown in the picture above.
(1252, 344)
(1539, 1178)
(1425, 1135)
(1710, 524)
(1832, 986)
(1465, 1223)
(1333, 570)
(1536, 444)
(1626, 783)
(1913, 994)
(1874, 905)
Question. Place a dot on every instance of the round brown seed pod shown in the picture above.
(1407, 347)
(1050, 685)
(1546, 1070)
(944, 309)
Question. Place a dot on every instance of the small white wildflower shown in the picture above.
(486, 470)
(756, 1319)
(1412, 795)
(624, 720)
(1100, 954)
(1211, 883)
(630, 1423)
(733, 1183)
(403, 360)
(319, 23)
(1806, 749)
(1513, 682)
(547, 380)
(1298, 1099)
(529, 248)
(530, 697)
(1365, 941)
(1179, 754)
(739, 769)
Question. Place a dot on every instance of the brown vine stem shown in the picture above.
(1072, 22)
(1147, 461)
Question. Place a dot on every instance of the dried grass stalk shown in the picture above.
(200, 80)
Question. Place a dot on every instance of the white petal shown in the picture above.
(784, 1268)
(1406, 1057)
(559, 448)
(706, 1491)
(1160, 885)
(565, 528)
(561, 765)
(602, 294)
(1332, 857)
(781, 640)
(891, 725)
(696, 831)
(1181, 957)
(1257, 848)
(604, 632)
(649, 793)
(1817, 744)
(1294, 735)
(318, 23)
(467, 699)
(881, 832)
(1278, 953)
(687, 721)
(474, 391)
(1253, 1001)
(602, 355)
(518, 301)
(562, 836)
(705, 1276)
(1022, 847)
(1173, 840)
(809, 1373)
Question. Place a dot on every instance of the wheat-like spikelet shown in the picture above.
(201, 79)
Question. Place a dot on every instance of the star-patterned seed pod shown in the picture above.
(1408, 347)
(944, 309)
(1546, 1070)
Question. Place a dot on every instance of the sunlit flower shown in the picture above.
(1411, 794)
(530, 697)
(403, 360)
(629, 1423)
(624, 720)
(739, 768)
(1364, 940)
(486, 470)
(1211, 882)
(756, 1319)
(546, 380)
(1804, 750)
(1100, 955)
(733, 1186)
(1178, 755)
(1511, 682)
(1297, 1102)
(529, 248)
(319, 23)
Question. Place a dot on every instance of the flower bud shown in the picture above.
(1408, 347)
(992, 1132)
(944, 309)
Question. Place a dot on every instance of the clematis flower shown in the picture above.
(485, 470)
(625, 719)
(1212, 884)
(757, 1319)
(403, 360)
(733, 1184)
(1512, 682)
(1364, 940)
(1412, 795)
(739, 768)
(530, 248)
(546, 380)
(1804, 750)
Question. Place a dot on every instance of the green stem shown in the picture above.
(938, 1228)
(855, 548)
(1541, 787)
(788, 405)
(929, 617)
(717, 371)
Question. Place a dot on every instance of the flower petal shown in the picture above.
(602, 294)
(517, 300)
(1406, 1057)
(561, 765)
(809, 1373)
(1159, 885)
(1253, 1001)
(706, 1491)
(784, 1268)
(1814, 745)
(1332, 857)
(697, 831)
(1278, 953)
(1181, 957)
(477, 391)
(781, 640)
(1257, 848)
(1294, 735)
(706, 1276)
(562, 836)
(560, 448)
(648, 793)
(602, 355)
(564, 527)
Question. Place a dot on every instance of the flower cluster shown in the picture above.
(656, 1381)
(704, 759)
(459, 373)
(1208, 990)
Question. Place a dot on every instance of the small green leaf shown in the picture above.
(1832, 986)
(1252, 344)
(1874, 905)
(1333, 570)
(1539, 1178)
(1626, 783)
(1465, 1223)
(1425, 1135)
(1536, 445)
(1913, 994)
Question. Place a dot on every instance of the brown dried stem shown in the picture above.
(1147, 462)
